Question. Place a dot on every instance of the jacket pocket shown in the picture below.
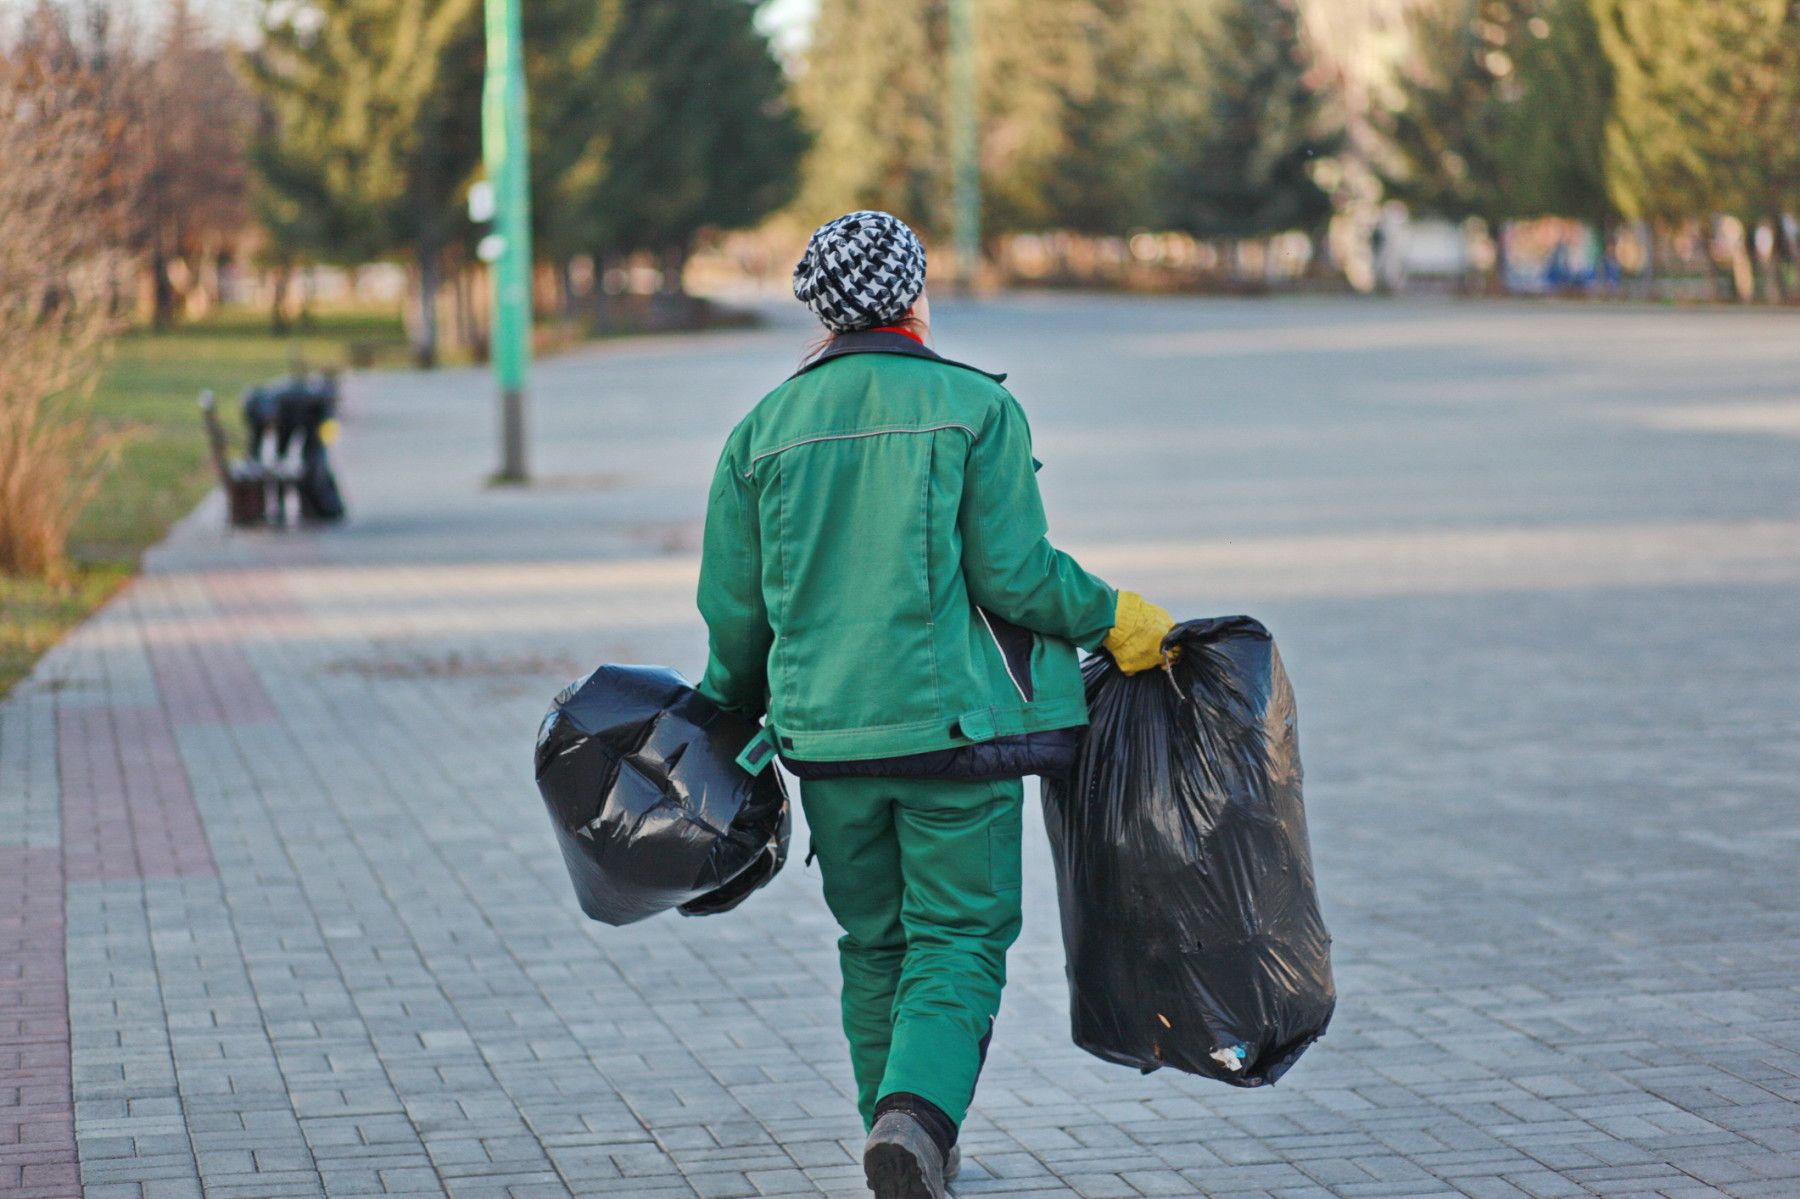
(1015, 646)
(1006, 844)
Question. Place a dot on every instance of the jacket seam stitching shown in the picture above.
(937, 682)
(783, 649)
(782, 449)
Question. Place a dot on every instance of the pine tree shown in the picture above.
(873, 91)
(374, 132)
(1131, 70)
(1504, 114)
(705, 136)
(1663, 56)
(575, 105)
(1072, 98)
(1554, 102)
(1445, 131)
(1707, 117)
(1245, 168)
(663, 119)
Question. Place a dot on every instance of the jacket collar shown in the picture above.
(876, 341)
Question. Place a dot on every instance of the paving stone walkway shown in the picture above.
(280, 913)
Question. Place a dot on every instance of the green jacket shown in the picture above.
(873, 536)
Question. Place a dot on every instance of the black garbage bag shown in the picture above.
(651, 810)
(320, 499)
(1189, 915)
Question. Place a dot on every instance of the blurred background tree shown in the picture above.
(872, 89)
(196, 120)
(1246, 167)
(1707, 119)
(1503, 113)
(698, 131)
(374, 133)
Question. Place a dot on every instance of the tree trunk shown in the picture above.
(1319, 265)
(1790, 239)
(597, 293)
(1499, 285)
(1652, 236)
(1743, 263)
(425, 326)
(278, 322)
(1778, 289)
(162, 292)
(303, 318)
(673, 261)
(565, 288)
(1612, 276)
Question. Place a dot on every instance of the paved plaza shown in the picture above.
(281, 914)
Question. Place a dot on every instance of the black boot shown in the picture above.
(901, 1160)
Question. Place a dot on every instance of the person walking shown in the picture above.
(878, 584)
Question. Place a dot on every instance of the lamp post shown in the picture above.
(965, 143)
(505, 153)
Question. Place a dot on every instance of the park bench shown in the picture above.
(291, 413)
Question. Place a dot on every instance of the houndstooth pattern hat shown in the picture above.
(862, 270)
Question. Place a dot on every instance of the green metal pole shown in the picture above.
(965, 142)
(505, 152)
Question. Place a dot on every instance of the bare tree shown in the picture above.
(192, 176)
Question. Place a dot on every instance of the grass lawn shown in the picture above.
(148, 390)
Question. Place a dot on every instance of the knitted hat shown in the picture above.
(859, 271)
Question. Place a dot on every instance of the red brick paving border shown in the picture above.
(207, 682)
(259, 600)
(37, 1103)
(127, 808)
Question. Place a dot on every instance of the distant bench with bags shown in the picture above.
(294, 414)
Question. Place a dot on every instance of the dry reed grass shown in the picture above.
(60, 133)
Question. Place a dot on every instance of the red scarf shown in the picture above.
(904, 332)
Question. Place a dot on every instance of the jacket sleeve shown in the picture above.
(731, 599)
(1010, 566)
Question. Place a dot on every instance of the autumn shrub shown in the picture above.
(59, 133)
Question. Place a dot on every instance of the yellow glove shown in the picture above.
(1138, 629)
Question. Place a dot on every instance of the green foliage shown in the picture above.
(1245, 168)
(1504, 116)
(374, 128)
(1080, 102)
(1707, 113)
(650, 119)
(1552, 125)
(702, 135)
(874, 95)
(1135, 79)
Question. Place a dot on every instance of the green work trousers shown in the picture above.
(923, 876)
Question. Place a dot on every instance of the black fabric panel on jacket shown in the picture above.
(1015, 647)
(1049, 754)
